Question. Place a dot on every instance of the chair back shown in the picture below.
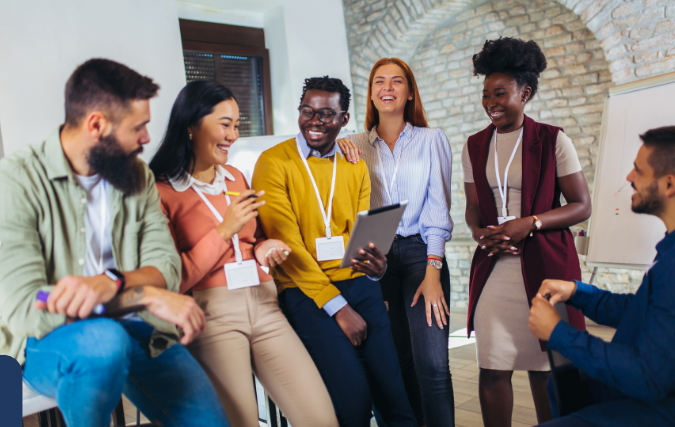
(571, 391)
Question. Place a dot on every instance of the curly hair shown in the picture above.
(328, 84)
(523, 61)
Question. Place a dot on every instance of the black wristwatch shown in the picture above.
(118, 277)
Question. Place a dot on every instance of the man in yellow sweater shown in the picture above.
(312, 197)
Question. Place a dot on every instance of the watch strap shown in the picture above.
(537, 220)
(117, 277)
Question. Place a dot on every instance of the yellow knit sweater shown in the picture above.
(291, 214)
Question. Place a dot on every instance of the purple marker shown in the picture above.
(44, 295)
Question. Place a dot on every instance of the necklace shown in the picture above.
(209, 181)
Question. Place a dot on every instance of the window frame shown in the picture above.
(209, 37)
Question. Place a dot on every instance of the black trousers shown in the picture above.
(422, 349)
(353, 375)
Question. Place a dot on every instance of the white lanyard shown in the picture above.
(219, 217)
(326, 216)
(388, 189)
(503, 191)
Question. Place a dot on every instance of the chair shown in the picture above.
(50, 416)
(45, 407)
(571, 389)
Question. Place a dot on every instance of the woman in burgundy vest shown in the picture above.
(514, 172)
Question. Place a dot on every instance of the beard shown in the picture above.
(120, 169)
(650, 202)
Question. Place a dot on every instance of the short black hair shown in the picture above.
(175, 157)
(106, 85)
(328, 84)
(523, 61)
(662, 141)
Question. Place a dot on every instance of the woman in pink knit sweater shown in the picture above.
(223, 251)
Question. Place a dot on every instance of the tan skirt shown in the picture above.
(503, 340)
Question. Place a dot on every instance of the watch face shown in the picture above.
(538, 224)
(436, 264)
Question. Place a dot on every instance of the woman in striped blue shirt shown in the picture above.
(409, 161)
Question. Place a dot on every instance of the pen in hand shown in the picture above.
(43, 296)
(236, 193)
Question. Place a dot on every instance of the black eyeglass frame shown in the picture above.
(333, 113)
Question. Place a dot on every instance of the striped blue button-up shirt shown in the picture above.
(423, 179)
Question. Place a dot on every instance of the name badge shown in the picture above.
(330, 248)
(503, 219)
(242, 274)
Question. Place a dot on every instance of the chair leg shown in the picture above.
(118, 415)
(61, 422)
(271, 413)
(54, 417)
(43, 418)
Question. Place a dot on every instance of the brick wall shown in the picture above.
(589, 46)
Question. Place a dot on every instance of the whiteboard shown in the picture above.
(618, 237)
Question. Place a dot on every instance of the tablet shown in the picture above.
(376, 226)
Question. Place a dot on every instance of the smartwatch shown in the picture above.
(117, 277)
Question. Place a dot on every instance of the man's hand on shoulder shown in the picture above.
(371, 262)
(76, 296)
(352, 324)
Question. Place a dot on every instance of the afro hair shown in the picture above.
(523, 61)
(330, 85)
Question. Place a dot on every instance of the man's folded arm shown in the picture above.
(279, 222)
(602, 307)
(22, 263)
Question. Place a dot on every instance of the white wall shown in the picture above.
(305, 38)
(2, 149)
(42, 41)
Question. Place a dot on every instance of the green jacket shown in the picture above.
(42, 239)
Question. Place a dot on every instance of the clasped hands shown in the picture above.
(543, 315)
(502, 239)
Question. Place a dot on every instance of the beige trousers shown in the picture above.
(247, 333)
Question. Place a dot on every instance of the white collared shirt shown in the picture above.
(423, 179)
(214, 189)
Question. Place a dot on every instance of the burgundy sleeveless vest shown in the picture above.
(548, 254)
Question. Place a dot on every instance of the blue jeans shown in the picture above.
(422, 349)
(355, 377)
(88, 364)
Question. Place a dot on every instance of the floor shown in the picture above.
(465, 382)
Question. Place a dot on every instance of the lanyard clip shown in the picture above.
(328, 232)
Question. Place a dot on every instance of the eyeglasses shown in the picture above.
(326, 115)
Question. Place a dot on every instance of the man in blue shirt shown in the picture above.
(632, 377)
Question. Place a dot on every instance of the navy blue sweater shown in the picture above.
(637, 369)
